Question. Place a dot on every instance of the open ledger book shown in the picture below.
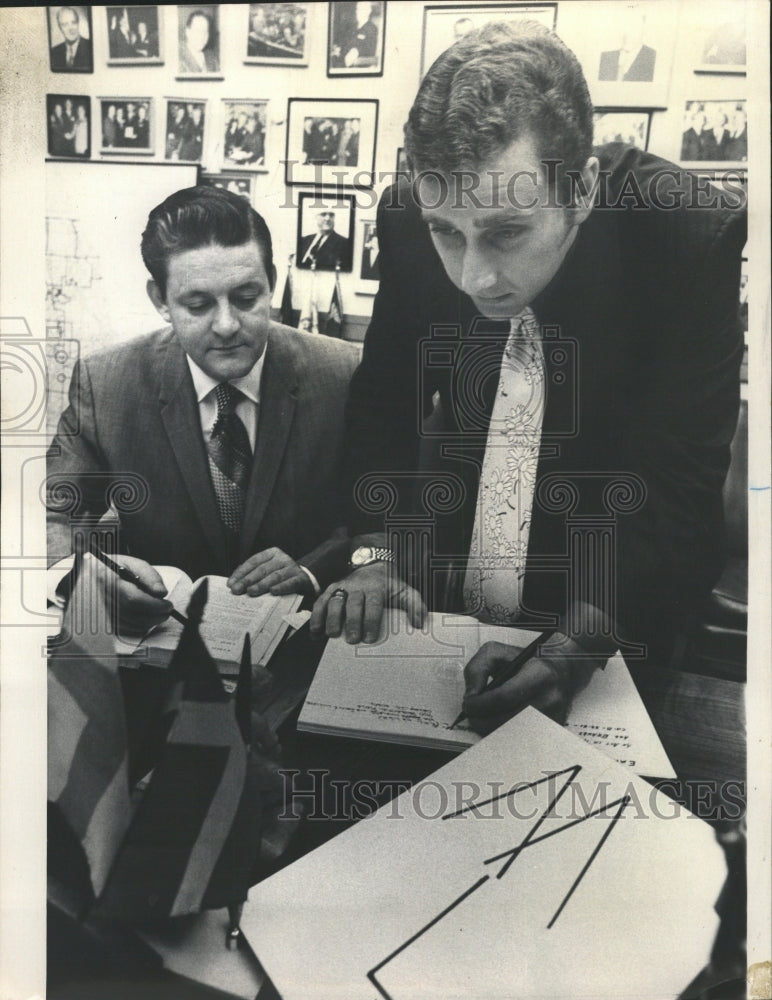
(227, 619)
(408, 688)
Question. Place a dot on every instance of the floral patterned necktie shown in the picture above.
(497, 555)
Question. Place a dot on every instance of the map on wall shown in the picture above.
(95, 278)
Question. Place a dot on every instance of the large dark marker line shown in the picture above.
(514, 790)
(423, 930)
(624, 803)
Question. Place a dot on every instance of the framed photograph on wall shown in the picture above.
(241, 184)
(70, 39)
(198, 42)
(135, 35)
(628, 60)
(721, 41)
(367, 269)
(331, 142)
(621, 125)
(355, 41)
(185, 123)
(445, 24)
(277, 34)
(69, 125)
(127, 125)
(715, 134)
(244, 135)
(325, 240)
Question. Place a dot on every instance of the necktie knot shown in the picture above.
(227, 397)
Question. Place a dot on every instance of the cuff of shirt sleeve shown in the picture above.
(312, 578)
(54, 577)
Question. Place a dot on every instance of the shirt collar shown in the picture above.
(249, 384)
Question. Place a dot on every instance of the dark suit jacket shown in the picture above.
(336, 249)
(641, 69)
(83, 62)
(133, 411)
(642, 347)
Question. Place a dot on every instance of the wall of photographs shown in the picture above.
(299, 106)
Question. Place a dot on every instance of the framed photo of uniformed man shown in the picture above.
(356, 37)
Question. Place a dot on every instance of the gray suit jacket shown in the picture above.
(131, 436)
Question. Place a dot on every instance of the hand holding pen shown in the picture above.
(142, 603)
(501, 679)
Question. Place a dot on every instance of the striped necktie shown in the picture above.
(497, 555)
(230, 458)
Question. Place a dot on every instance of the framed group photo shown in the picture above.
(126, 125)
(68, 125)
(621, 125)
(356, 38)
(240, 184)
(134, 35)
(331, 142)
(325, 238)
(198, 41)
(244, 135)
(70, 39)
(185, 122)
(445, 24)
(715, 134)
(277, 34)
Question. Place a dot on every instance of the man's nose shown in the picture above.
(225, 322)
(478, 272)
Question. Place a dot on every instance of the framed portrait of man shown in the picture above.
(356, 38)
(69, 125)
(70, 39)
(277, 34)
(721, 40)
(198, 42)
(134, 35)
(325, 238)
(368, 264)
(331, 142)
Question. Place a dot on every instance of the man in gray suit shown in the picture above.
(225, 428)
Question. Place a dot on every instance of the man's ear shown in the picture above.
(154, 293)
(585, 190)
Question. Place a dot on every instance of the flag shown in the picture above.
(334, 325)
(194, 839)
(288, 315)
(88, 781)
(309, 320)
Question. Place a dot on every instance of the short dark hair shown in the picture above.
(495, 84)
(198, 13)
(201, 216)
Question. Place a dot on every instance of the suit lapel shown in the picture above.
(180, 416)
(278, 398)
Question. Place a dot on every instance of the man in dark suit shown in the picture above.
(574, 356)
(632, 61)
(74, 54)
(326, 248)
(163, 412)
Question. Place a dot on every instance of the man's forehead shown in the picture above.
(215, 260)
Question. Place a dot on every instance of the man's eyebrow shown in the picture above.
(484, 220)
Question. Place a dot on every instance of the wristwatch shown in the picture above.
(366, 554)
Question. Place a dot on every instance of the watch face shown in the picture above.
(362, 556)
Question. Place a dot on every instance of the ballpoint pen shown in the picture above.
(129, 577)
(511, 668)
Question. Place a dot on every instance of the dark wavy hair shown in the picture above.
(200, 216)
(493, 86)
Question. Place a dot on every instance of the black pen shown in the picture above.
(512, 668)
(129, 577)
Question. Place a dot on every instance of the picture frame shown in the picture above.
(68, 136)
(722, 42)
(331, 142)
(135, 35)
(628, 125)
(185, 124)
(127, 126)
(356, 36)
(198, 42)
(70, 39)
(367, 269)
(714, 134)
(244, 135)
(242, 184)
(444, 24)
(628, 60)
(277, 34)
(323, 219)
